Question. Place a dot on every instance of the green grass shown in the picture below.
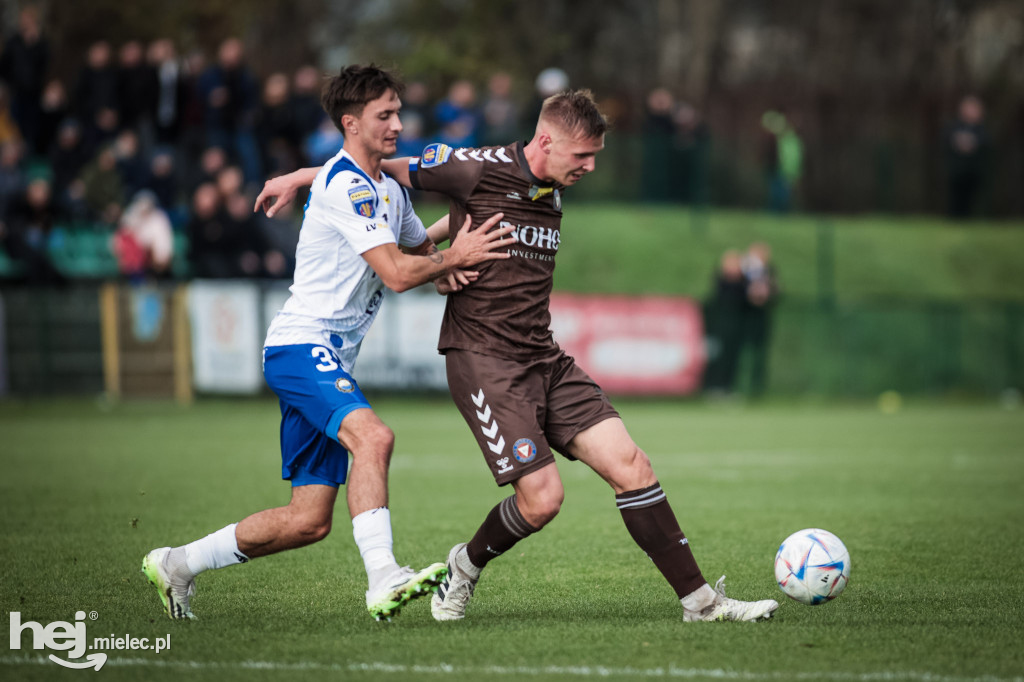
(928, 500)
(636, 249)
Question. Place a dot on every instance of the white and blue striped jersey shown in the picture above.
(336, 294)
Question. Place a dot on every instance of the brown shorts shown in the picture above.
(520, 410)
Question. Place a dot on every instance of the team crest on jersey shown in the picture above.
(524, 450)
(344, 385)
(434, 155)
(362, 200)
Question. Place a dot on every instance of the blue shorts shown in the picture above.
(315, 394)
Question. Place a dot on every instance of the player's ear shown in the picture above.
(348, 124)
(546, 141)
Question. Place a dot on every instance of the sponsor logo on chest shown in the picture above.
(534, 236)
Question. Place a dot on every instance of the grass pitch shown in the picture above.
(928, 501)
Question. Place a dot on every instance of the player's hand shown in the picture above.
(283, 189)
(473, 245)
(455, 280)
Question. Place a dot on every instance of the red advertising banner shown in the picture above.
(647, 345)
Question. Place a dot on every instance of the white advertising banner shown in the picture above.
(227, 336)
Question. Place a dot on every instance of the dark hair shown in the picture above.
(575, 111)
(350, 90)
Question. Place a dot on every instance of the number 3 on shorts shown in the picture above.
(326, 358)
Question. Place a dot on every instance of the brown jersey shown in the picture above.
(505, 312)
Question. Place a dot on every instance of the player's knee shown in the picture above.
(375, 443)
(312, 528)
(539, 510)
(634, 471)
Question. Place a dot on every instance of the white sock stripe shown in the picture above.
(513, 518)
(509, 512)
(640, 494)
(645, 503)
(649, 497)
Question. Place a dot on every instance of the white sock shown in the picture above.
(463, 562)
(699, 599)
(372, 533)
(216, 550)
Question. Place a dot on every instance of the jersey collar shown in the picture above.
(525, 166)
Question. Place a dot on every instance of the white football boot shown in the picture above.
(385, 599)
(166, 569)
(724, 608)
(449, 602)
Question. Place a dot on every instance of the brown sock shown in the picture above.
(653, 525)
(503, 528)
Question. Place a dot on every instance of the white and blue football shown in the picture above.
(812, 566)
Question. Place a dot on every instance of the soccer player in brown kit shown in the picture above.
(521, 395)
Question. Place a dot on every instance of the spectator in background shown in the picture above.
(12, 178)
(144, 241)
(132, 166)
(25, 233)
(456, 116)
(415, 116)
(23, 67)
(658, 134)
(95, 91)
(412, 139)
(783, 160)
(230, 182)
(191, 138)
(416, 104)
(762, 291)
(103, 130)
(162, 180)
(277, 131)
(230, 96)
(208, 233)
(251, 252)
(136, 92)
(101, 189)
(169, 94)
(324, 143)
(68, 157)
(53, 111)
(304, 103)
(500, 112)
(966, 148)
(9, 131)
(691, 158)
(211, 162)
(725, 316)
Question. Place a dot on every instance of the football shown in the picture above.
(812, 566)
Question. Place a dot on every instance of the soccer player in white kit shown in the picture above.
(355, 220)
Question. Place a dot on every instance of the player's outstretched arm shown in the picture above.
(455, 279)
(283, 188)
(439, 232)
(398, 169)
(401, 272)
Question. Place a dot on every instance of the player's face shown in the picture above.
(570, 157)
(378, 126)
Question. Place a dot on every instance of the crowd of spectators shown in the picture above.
(193, 134)
(143, 145)
(147, 144)
(147, 148)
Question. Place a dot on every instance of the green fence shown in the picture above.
(865, 348)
